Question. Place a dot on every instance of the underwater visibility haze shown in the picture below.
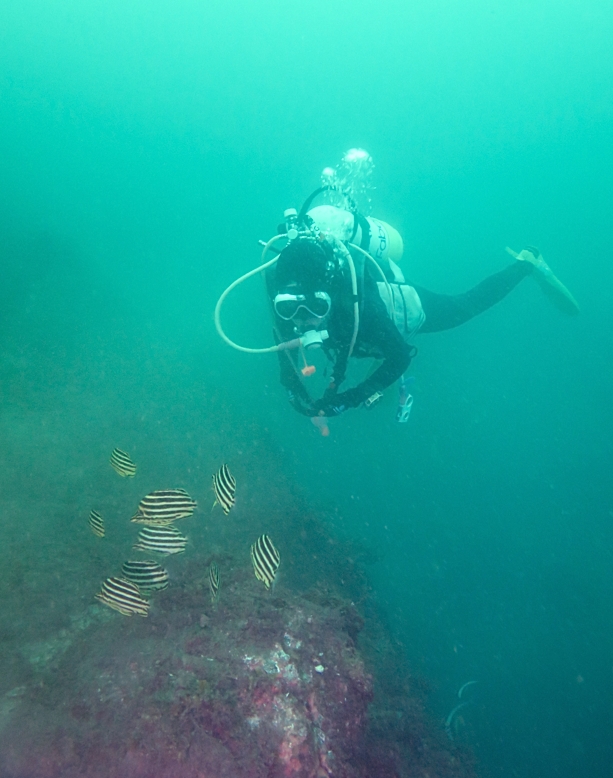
(147, 148)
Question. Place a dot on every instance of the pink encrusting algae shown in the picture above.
(258, 685)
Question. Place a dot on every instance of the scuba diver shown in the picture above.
(335, 285)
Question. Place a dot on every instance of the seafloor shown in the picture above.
(303, 681)
(257, 685)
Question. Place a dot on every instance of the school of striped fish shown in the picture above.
(163, 540)
(130, 592)
(122, 463)
(96, 523)
(265, 559)
(123, 596)
(146, 574)
(224, 486)
(163, 507)
(213, 580)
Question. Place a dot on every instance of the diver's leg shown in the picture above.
(445, 311)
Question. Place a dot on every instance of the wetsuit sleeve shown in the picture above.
(396, 357)
(289, 379)
(445, 311)
(298, 395)
(380, 336)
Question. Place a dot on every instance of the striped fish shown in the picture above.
(163, 540)
(122, 464)
(96, 522)
(266, 559)
(147, 575)
(163, 507)
(123, 596)
(213, 580)
(224, 486)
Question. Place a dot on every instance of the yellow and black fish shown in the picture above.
(266, 559)
(122, 464)
(147, 575)
(123, 596)
(163, 507)
(213, 580)
(96, 522)
(162, 540)
(224, 486)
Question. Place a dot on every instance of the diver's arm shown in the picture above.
(396, 359)
(379, 332)
(380, 335)
(297, 394)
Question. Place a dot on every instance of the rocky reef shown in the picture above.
(258, 684)
(303, 681)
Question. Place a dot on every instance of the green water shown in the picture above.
(147, 146)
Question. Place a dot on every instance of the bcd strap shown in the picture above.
(362, 221)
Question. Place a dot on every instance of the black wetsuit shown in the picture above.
(379, 338)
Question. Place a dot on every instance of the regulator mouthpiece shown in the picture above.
(313, 339)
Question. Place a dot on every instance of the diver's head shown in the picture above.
(306, 274)
(306, 311)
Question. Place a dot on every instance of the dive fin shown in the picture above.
(553, 288)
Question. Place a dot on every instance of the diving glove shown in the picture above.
(543, 275)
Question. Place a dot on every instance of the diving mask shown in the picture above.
(287, 306)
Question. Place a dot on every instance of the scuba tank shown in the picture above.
(380, 239)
